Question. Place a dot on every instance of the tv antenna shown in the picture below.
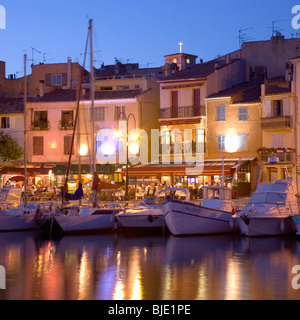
(32, 51)
(243, 37)
(44, 57)
(275, 31)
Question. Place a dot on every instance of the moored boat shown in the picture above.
(148, 213)
(15, 216)
(88, 219)
(213, 216)
(270, 210)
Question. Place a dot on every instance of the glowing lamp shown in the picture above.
(83, 150)
(231, 143)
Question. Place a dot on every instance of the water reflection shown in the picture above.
(120, 267)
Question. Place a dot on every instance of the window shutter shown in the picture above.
(278, 140)
(242, 142)
(286, 107)
(48, 80)
(64, 79)
(268, 109)
(38, 146)
(67, 145)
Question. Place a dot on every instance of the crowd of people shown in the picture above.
(137, 192)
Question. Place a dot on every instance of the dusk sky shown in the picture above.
(135, 31)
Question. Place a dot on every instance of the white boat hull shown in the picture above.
(17, 222)
(265, 226)
(80, 224)
(188, 219)
(142, 221)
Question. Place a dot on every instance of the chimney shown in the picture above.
(263, 89)
(42, 88)
(228, 59)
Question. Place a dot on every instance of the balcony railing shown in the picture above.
(66, 125)
(40, 125)
(285, 155)
(183, 148)
(182, 112)
(276, 123)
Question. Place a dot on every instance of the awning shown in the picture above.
(29, 171)
(210, 168)
(85, 169)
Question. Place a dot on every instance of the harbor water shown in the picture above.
(122, 266)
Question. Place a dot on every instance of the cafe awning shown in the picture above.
(210, 168)
(20, 171)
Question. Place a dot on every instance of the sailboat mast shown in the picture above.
(25, 132)
(92, 97)
(92, 93)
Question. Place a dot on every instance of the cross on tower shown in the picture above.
(180, 45)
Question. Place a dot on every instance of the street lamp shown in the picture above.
(126, 118)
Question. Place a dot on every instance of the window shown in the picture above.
(118, 110)
(277, 108)
(278, 140)
(5, 122)
(243, 113)
(67, 145)
(56, 80)
(242, 142)
(99, 113)
(200, 140)
(67, 118)
(258, 72)
(221, 113)
(221, 142)
(38, 146)
(40, 116)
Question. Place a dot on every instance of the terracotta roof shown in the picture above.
(71, 96)
(13, 105)
(247, 92)
(114, 94)
(199, 70)
(55, 96)
(277, 89)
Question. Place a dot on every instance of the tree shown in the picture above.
(9, 148)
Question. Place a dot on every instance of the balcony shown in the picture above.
(284, 155)
(42, 125)
(283, 122)
(182, 112)
(183, 148)
(66, 125)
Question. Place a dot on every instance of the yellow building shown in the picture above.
(233, 131)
